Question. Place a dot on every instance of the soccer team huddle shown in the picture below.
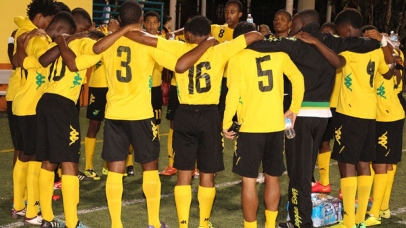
(341, 81)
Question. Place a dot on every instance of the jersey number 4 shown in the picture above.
(264, 73)
(199, 76)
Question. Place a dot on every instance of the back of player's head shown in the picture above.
(130, 12)
(288, 15)
(60, 6)
(242, 28)
(95, 34)
(64, 18)
(368, 27)
(308, 16)
(199, 26)
(349, 16)
(167, 18)
(186, 26)
(330, 26)
(82, 15)
(151, 14)
(237, 2)
(44, 7)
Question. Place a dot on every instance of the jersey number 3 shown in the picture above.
(199, 75)
(125, 64)
(266, 73)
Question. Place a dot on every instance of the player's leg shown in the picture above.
(173, 104)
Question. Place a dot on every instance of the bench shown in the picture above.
(4, 78)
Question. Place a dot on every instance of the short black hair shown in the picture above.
(349, 16)
(167, 18)
(242, 28)
(285, 12)
(60, 6)
(64, 18)
(95, 34)
(330, 25)
(82, 15)
(237, 2)
(199, 26)
(151, 14)
(44, 7)
(130, 12)
(186, 26)
(368, 27)
(308, 16)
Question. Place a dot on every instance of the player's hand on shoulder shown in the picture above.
(212, 41)
(114, 25)
(373, 34)
(306, 37)
(228, 134)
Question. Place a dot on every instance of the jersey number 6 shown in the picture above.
(199, 76)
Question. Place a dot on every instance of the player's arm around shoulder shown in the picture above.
(296, 78)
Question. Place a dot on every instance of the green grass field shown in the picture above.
(226, 213)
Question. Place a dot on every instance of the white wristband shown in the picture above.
(11, 40)
(384, 42)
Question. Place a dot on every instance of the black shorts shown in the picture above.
(97, 103)
(11, 122)
(141, 134)
(197, 135)
(354, 140)
(389, 142)
(173, 103)
(58, 135)
(26, 133)
(156, 100)
(254, 148)
(329, 133)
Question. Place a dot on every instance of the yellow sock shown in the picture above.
(70, 188)
(349, 190)
(129, 161)
(380, 181)
(33, 189)
(388, 191)
(46, 181)
(19, 183)
(183, 199)
(170, 148)
(114, 192)
(90, 144)
(151, 185)
(205, 196)
(323, 161)
(250, 224)
(363, 194)
(270, 218)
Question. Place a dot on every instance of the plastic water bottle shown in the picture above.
(394, 40)
(289, 131)
(250, 19)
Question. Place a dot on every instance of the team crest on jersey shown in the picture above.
(338, 135)
(74, 135)
(40, 79)
(383, 140)
(76, 80)
(154, 131)
(98, 64)
(381, 91)
(92, 98)
(348, 82)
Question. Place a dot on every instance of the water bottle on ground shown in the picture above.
(289, 131)
(250, 19)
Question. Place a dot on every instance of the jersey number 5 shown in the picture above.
(266, 73)
(199, 76)
(127, 73)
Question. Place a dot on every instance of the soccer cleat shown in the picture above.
(169, 171)
(130, 171)
(105, 171)
(341, 225)
(58, 185)
(384, 214)
(361, 225)
(83, 177)
(287, 224)
(163, 225)
(371, 220)
(318, 188)
(79, 225)
(56, 197)
(36, 221)
(51, 224)
(210, 226)
(92, 174)
(196, 173)
(16, 214)
(340, 194)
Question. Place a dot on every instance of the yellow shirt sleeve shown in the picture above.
(233, 95)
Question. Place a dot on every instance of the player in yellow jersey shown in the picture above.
(39, 15)
(255, 97)
(389, 133)
(354, 145)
